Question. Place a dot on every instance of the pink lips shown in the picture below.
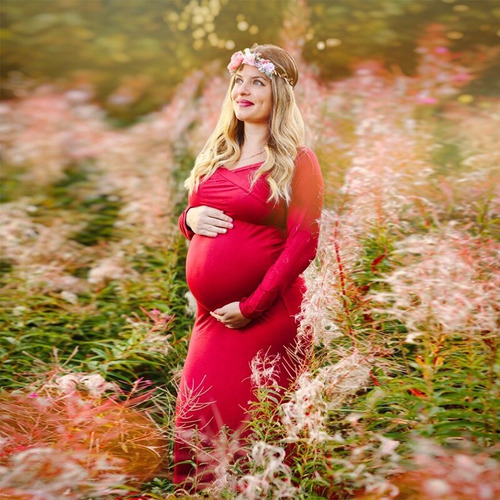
(245, 103)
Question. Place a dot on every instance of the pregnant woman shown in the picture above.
(255, 199)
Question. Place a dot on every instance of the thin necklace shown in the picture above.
(248, 157)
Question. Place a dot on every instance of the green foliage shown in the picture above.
(434, 399)
(105, 342)
(103, 213)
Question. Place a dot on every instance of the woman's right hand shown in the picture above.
(208, 221)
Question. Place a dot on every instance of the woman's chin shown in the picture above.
(243, 116)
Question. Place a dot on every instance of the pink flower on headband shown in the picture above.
(267, 67)
(236, 60)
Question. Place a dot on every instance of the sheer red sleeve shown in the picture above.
(300, 248)
(185, 229)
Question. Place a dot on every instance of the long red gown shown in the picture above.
(258, 262)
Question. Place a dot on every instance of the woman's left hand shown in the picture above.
(230, 315)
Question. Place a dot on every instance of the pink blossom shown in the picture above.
(426, 100)
(270, 475)
(441, 285)
(265, 369)
(461, 77)
(236, 61)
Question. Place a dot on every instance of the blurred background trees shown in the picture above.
(131, 54)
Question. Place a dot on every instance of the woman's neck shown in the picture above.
(255, 137)
(252, 150)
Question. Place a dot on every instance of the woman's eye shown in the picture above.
(258, 82)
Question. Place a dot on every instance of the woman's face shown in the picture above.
(252, 95)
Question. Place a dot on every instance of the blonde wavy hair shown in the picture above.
(286, 131)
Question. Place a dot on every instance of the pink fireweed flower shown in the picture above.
(446, 284)
(426, 99)
(327, 278)
(46, 472)
(270, 475)
(114, 267)
(159, 319)
(94, 384)
(265, 369)
(345, 378)
(461, 77)
(306, 412)
(387, 446)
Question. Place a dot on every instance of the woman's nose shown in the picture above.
(244, 89)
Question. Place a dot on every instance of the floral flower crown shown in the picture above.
(253, 59)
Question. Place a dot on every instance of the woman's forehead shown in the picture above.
(250, 71)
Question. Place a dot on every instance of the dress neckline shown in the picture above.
(244, 166)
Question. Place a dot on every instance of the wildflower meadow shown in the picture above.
(399, 396)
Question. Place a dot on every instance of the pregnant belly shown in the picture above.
(230, 266)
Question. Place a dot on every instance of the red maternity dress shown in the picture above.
(258, 262)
